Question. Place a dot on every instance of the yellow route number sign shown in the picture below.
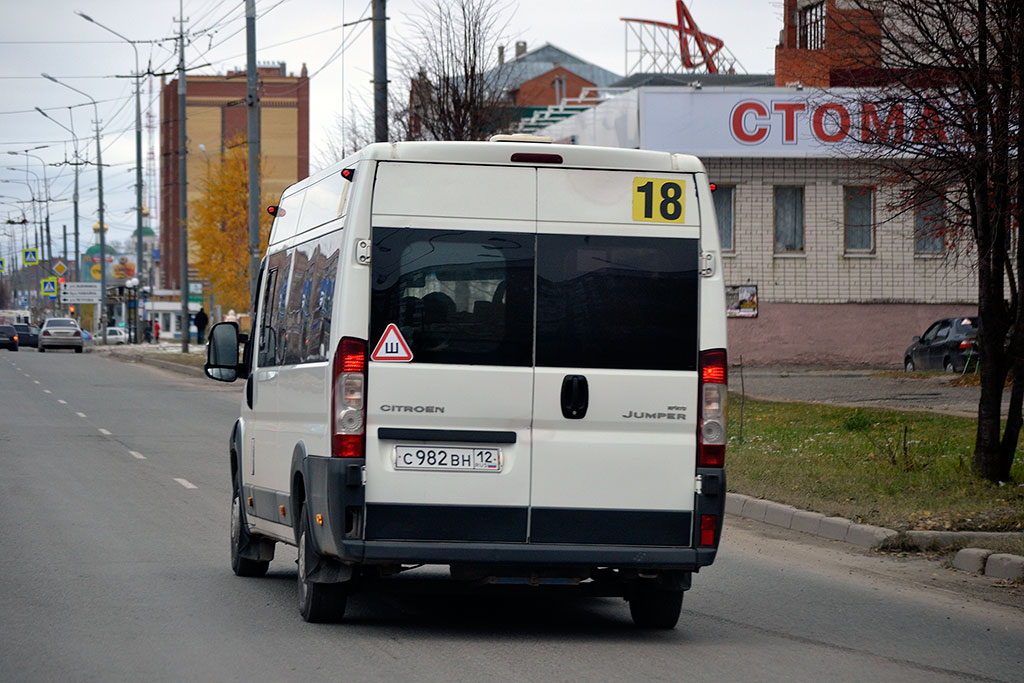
(659, 200)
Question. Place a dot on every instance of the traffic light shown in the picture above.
(61, 280)
(71, 309)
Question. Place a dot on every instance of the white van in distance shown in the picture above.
(506, 357)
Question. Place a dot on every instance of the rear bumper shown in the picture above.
(529, 554)
(60, 342)
(457, 535)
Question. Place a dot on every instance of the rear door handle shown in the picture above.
(575, 397)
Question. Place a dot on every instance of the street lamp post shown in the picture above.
(77, 164)
(138, 156)
(99, 182)
(46, 191)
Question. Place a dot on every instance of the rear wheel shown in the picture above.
(319, 603)
(78, 349)
(42, 350)
(654, 607)
(948, 364)
(908, 364)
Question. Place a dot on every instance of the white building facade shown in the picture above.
(830, 265)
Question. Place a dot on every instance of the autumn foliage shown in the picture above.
(219, 228)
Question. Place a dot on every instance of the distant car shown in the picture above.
(86, 337)
(946, 345)
(61, 333)
(116, 335)
(28, 335)
(8, 337)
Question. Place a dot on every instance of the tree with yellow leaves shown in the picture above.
(219, 227)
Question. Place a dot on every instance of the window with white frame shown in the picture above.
(929, 222)
(724, 196)
(858, 217)
(789, 220)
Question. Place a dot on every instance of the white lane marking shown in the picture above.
(137, 455)
(60, 400)
(80, 414)
(104, 432)
(186, 483)
(47, 391)
(35, 381)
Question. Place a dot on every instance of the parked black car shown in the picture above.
(8, 338)
(947, 344)
(28, 335)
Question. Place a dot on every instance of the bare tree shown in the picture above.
(942, 117)
(457, 89)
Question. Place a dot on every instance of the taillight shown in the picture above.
(711, 420)
(708, 529)
(348, 404)
(966, 344)
(15, 337)
(77, 334)
(46, 333)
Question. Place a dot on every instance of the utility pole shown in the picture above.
(380, 71)
(252, 102)
(182, 179)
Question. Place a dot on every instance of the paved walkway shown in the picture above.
(857, 388)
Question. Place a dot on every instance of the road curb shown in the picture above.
(975, 560)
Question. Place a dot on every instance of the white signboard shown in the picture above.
(775, 122)
(80, 293)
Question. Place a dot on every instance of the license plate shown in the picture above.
(447, 458)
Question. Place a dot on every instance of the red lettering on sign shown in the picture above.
(818, 122)
(930, 124)
(789, 111)
(873, 127)
(760, 130)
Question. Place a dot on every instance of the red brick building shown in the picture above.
(825, 43)
(217, 116)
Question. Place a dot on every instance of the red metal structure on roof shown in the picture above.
(672, 48)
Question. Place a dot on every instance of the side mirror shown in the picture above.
(917, 339)
(222, 353)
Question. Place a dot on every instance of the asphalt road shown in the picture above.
(114, 500)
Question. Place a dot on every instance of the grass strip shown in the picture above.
(897, 469)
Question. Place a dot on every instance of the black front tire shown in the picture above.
(655, 608)
(948, 365)
(319, 603)
(908, 364)
(242, 566)
(42, 350)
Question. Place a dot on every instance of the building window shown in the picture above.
(929, 222)
(859, 219)
(724, 203)
(789, 220)
(811, 33)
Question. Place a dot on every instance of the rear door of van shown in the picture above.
(450, 376)
(616, 385)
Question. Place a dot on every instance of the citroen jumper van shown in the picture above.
(505, 357)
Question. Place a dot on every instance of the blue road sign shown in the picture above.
(30, 257)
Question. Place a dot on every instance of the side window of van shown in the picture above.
(457, 296)
(267, 346)
(286, 224)
(306, 319)
(272, 335)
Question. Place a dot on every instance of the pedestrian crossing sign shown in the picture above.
(30, 257)
(49, 286)
(3, 266)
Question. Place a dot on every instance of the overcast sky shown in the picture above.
(46, 36)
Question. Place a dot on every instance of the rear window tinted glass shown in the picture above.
(457, 296)
(616, 302)
(7, 329)
(57, 322)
